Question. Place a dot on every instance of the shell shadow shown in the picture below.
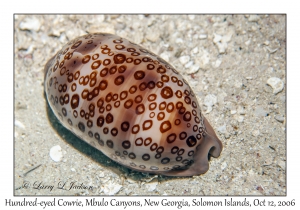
(97, 155)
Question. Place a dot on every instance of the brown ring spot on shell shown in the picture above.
(166, 92)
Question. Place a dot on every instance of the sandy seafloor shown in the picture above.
(227, 60)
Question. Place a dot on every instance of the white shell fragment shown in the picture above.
(241, 110)
(224, 165)
(232, 111)
(184, 59)
(271, 51)
(151, 186)
(209, 101)
(222, 129)
(19, 124)
(279, 118)
(276, 84)
(253, 18)
(260, 112)
(56, 153)
(281, 164)
(240, 119)
(153, 37)
(194, 69)
(202, 36)
(221, 41)
(31, 24)
(255, 133)
(111, 188)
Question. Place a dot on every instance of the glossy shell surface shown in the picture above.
(130, 104)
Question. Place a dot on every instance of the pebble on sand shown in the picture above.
(276, 84)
